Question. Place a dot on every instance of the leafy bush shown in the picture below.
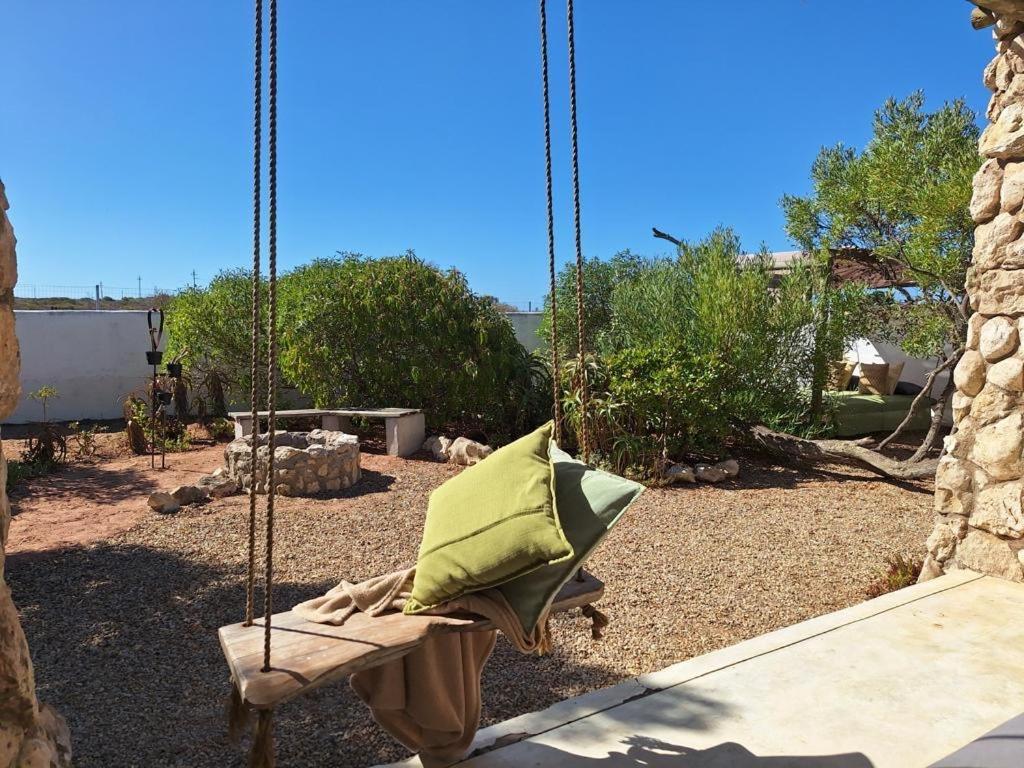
(688, 349)
(396, 331)
(210, 330)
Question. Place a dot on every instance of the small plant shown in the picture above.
(140, 427)
(44, 395)
(221, 429)
(17, 473)
(85, 438)
(900, 571)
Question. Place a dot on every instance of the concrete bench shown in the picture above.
(404, 428)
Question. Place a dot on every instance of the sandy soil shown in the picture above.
(123, 626)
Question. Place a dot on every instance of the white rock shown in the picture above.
(969, 374)
(987, 185)
(1011, 194)
(709, 473)
(991, 239)
(163, 502)
(1008, 374)
(466, 452)
(974, 324)
(438, 445)
(1005, 137)
(731, 467)
(997, 509)
(997, 447)
(998, 338)
(190, 494)
(219, 486)
(680, 473)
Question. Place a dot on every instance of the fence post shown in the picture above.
(97, 297)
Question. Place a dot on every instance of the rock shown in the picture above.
(163, 502)
(680, 473)
(709, 473)
(190, 494)
(961, 405)
(731, 467)
(988, 75)
(997, 447)
(993, 404)
(974, 324)
(1005, 137)
(1007, 374)
(996, 292)
(466, 452)
(998, 338)
(219, 486)
(987, 184)
(218, 472)
(991, 239)
(942, 542)
(1011, 193)
(929, 570)
(952, 475)
(997, 509)
(969, 374)
(438, 446)
(981, 551)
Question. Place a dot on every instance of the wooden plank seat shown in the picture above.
(404, 428)
(305, 655)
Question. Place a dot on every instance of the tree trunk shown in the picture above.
(936, 426)
(845, 451)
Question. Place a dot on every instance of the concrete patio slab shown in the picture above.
(900, 681)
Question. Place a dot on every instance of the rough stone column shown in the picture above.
(32, 735)
(979, 485)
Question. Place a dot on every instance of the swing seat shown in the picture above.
(307, 655)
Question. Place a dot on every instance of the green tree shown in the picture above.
(904, 198)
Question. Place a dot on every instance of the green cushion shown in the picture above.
(492, 522)
(589, 503)
(860, 414)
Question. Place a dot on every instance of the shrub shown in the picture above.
(397, 331)
(900, 571)
(686, 350)
(210, 330)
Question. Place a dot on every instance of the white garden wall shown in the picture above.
(92, 358)
(526, 324)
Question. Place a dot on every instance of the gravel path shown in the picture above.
(123, 631)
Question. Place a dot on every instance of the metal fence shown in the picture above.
(94, 292)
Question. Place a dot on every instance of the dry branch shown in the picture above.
(846, 451)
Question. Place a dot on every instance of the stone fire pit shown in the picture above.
(305, 463)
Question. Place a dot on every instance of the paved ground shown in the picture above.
(898, 682)
(122, 621)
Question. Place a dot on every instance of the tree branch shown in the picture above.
(925, 392)
(849, 452)
(665, 236)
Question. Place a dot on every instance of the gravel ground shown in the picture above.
(123, 631)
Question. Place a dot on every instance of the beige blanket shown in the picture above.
(429, 699)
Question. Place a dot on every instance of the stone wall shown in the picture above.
(305, 463)
(979, 485)
(32, 735)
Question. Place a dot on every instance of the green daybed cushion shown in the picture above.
(858, 414)
(492, 522)
(589, 503)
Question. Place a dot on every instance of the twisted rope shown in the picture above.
(271, 331)
(581, 346)
(250, 584)
(555, 374)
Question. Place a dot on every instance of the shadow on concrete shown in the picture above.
(654, 753)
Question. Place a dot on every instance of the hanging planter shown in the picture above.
(164, 397)
(174, 369)
(154, 357)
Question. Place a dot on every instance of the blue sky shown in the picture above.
(125, 130)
